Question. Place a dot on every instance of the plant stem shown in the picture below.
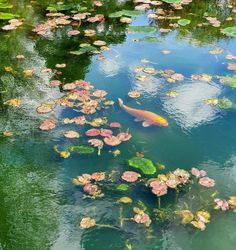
(159, 202)
(107, 226)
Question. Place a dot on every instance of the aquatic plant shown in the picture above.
(145, 165)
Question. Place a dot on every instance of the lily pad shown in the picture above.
(6, 6)
(225, 103)
(229, 31)
(142, 29)
(82, 149)
(148, 39)
(83, 50)
(184, 22)
(122, 187)
(228, 80)
(7, 16)
(171, 1)
(143, 164)
(129, 13)
(60, 6)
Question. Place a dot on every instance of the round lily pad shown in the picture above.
(229, 31)
(122, 187)
(143, 164)
(184, 22)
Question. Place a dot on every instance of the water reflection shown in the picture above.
(188, 108)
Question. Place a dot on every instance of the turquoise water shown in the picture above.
(40, 207)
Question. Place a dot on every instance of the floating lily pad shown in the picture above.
(6, 6)
(228, 80)
(122, 187)
(171, 1)
(143, 164)
(142, 29)
(7, 16)
(148, 39)
(229, 31)
(225, 103)
(60, 6)
(184, 22)
(129, 13)
(83, 50)
(82, 149)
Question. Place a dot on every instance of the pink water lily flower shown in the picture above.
(221, 204)
(112, 140)
(141, 217)
(60, 66)
(93, 132)
(158, 188)
(98, 176)
(177, 77)
(90, 188)
(124, 136)
(207, 182)
(130, 176)
(198, 173)
(115, 125)
(106, 132)
(99, 93)
(80, 120)
(182, 175)
(83, 84)
(48, 124)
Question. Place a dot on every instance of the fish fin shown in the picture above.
(120, 102)
(138, 120)
(147, 124)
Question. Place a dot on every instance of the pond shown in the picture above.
(63, 67)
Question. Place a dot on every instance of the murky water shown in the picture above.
(40, 208)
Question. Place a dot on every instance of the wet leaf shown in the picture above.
(7, 16)
(122, 187)
(129, 13)
(60, 6)
(229, 31)
(14, 102)
(5, 6)
(184, 22)
(143, 164)
(83, 50)
(225, 103)
(142, 29)
(172, 1)
(125, 200)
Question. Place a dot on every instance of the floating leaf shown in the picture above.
(229, 31)
(6, 16)
(82, 149)
(142, 29)
(225, 103)
(172, 1)
(62, 7)
(122, 187)
(184, 22)
(143, 164)
(130, 13)
(125, 200)
(83, 50)
(6, 6)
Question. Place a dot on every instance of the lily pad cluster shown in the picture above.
(177, 181)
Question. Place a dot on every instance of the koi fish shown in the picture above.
(148, 118)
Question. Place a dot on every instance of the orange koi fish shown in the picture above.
(148, 118)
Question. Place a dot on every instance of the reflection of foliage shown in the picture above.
(28, 211)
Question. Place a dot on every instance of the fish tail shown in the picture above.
(120, 102)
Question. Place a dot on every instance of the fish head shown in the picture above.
(160, 121)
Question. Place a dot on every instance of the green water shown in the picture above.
(40, 208)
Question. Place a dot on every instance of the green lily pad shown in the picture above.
(148, 39)
(184, 22)
(81, 149)
(60, 6)
(171, 1)
(143, 164)
(225, 103)
(6, 6)
(228, 80)
(122, 187)
(142, 29)
(229, 31)
(84, 50)
(129, 13)
(7, 16)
